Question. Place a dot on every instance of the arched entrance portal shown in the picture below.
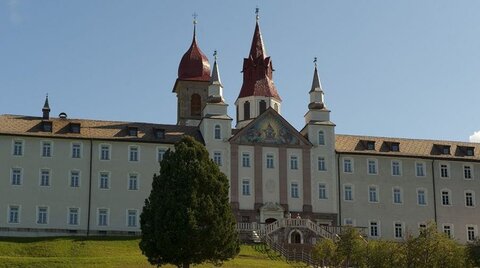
(270, 220)
(295, 237)
(271, 211)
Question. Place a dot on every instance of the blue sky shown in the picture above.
(388, 68)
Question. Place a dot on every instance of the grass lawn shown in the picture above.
(105, 252)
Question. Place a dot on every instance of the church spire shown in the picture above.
(257, 50)
(215, 78)
(215, 89)
(316, 85)
(316, 92)
(46, 109)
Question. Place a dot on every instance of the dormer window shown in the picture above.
(132, 131)
(159, 133)
(74, 127)
(446, 149)
(47, 126)
(370, 145)
(395, 147)
(469, 151)
(466, 150)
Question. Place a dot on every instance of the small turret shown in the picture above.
(317, 110)
(46, 109)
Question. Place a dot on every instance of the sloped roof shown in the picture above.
(407, 147)
(94, 129)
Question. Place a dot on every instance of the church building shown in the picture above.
(66, 176)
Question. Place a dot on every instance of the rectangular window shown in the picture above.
(76, 150)
(161, 154)
(294, 190)
(269, 160)
(42, 215)
(374, 229)
(321, 163)
(18, 148)
(348, 192)
(16, 176)
(420, 169)
(469, 201)
(467, 172)
(103, 217)
(132, 218)
(447, 229)
(372, 166)
(444, 171)
(46, 149)
(245, 159)
(133, 182)
(397, 196)
(45, 177)
(217, 158)
(471, 233)
(348, 222)
(293, 162)
(396, 168)
(321, 137)
(347, 166)
(105, 152)
(73, 216)
(398, 232)
(104, 180)
(445, 198)
(13, 214)
(372, 194)
(74, 178)
(133, 153)
(322, 191)
(421, 197)
(246, 187)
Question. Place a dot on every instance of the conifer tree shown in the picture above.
(187, 218)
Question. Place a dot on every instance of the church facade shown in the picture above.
(74, 176)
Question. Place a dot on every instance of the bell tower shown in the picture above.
(192, 84)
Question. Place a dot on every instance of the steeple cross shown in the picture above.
(315, 61)
(215, 54)
(257, 10)
(194, 15)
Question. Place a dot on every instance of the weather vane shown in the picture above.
(256, 12)
(194, 15)
(215, 54)
(315, 61)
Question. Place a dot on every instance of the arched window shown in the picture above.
(217, 132)
(263, 106)
(195, 105)
(246, 110)
(321, 137)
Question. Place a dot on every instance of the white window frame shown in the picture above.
(270, 160)
(73, 150)
(161, 153)
(396, 167)
(100, 184)
(378, 230)
(400, 195)
(322, 187)
(127, 223)
(70, 178)
(452, 234)
(137, 181)
(107, 217)
(40, 182)
(349, 222)
(351, 165)
(402, 226)
(352, 192)
(217, 158)
(246, 159)
(43, 143)
(37, 221)
(376, 194)
(9, 210)
(423, 168)
(475, 232)
(100, 151)
(294, 191)
(444, 168)
(293, 162)
(449, 196)
(425, 196)
(217, 132)
(133, 157)
(472, 193)
(470, 172)
(321, 164)
(246, 187)
(20, 178)
(375, 166)
(69, 216)
(321, 137)
(22, 147)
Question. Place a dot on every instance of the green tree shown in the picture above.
(325, 252)
(351, 248)
(385, 254)
(473, 252)
(187, 218)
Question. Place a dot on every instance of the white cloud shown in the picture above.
(15, 16)
(475, 137)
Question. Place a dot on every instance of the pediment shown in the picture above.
(270, 128)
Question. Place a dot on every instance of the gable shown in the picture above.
(270, 128)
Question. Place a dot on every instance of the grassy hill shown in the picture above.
(104, 252)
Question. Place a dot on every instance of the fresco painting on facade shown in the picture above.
(269, 130)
